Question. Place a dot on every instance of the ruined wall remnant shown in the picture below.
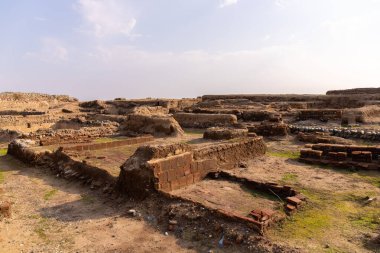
(252, 115)
(170, 167)
(267, 128)
(345, 156)
(223, 133)
(157, 125)
(111, 144)
(61, 164)
(193, 120)
(317, 114)
(162, 167)
(229, 153)
(321, 137)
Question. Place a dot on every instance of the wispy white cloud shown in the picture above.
(106, 18)
(52, 50)
(42, 19)
(225, 3)
(283, 3)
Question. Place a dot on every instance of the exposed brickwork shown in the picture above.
(229, 153)
(113, 144)
(268, 128)
(345, 156)
(170, 167)
(224, 133)
(179, 171)
(193, 120)
(318, 114)
(62, 165)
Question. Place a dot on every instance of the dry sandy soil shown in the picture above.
(50, 214)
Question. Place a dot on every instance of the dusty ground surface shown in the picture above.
(50, 214)
(229, 196)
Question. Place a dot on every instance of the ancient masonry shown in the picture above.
(345, 156)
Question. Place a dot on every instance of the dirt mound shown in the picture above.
(156, 125)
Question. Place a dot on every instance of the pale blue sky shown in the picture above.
(185, 48)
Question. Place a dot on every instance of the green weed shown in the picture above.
(284, 154)
(87, 199)
(48, 195)
(289, 177)
(3, 151)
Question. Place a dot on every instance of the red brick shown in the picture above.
(180, 172)
(165, 187)
(294, 201)
(197, 177)
(182, 181)
(200, 166)
(189, 179)
(163, 177)
(173, 164)
(172, 175)
(165, 165)
(290, 208)
(194, 167)
(174, 185)
(187, 170)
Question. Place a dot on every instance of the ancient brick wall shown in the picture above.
(113, 144)
(258, 115)
(170, 167)
(154, 125)
(345, 156)
(267, 128)
(317, 114)
(61, 164)
(229, 154)
(194, 120)
(179, 171)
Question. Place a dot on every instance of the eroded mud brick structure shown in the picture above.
(345, 156)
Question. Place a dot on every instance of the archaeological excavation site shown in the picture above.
(216, 173)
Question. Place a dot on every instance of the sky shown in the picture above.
(103, 49)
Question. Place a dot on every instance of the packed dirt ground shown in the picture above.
(232, 173)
